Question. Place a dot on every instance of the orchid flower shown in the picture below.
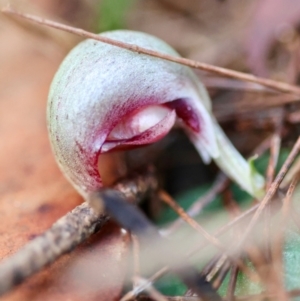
(105, 98)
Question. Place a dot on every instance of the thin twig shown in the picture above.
(274, 155)
(66, 42)
(291, 174)
(165, 197)
(270, 193)
(288, 198)
(217, 267)
(206, 271)
(219, 185)
(270, 174)
(64, 235)
(143, 286)
(232, 283)
(224, 269)
(280, 86)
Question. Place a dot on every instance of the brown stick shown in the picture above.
(270, 174)
(64, 235)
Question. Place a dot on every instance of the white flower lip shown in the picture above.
(142, 127)
(138, 122)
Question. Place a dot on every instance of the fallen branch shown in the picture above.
(67, 233)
